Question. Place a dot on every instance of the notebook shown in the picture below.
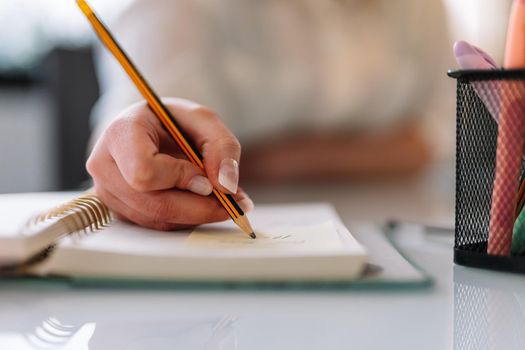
(297, 242)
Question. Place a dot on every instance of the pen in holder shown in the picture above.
(483, 97)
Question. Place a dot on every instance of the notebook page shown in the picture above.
(295, 242)
(317, 224)
(319, 238)
(17, 209)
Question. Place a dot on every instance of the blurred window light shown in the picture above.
(33, 27)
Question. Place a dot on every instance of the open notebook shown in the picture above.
(303, 242)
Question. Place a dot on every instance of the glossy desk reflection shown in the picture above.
(489, 310)
(41, 318)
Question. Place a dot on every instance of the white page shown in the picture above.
(20, 237)
(127, 251)
(318, 221)
(122, 237)
(314, 239)
(17, 209)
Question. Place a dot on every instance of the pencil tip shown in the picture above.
(252, 235)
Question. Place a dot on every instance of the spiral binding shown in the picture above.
(81, 213)
(51, 333)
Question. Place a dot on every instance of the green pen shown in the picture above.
(518, 234)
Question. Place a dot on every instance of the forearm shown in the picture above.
(398, 152)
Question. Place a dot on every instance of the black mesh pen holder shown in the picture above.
(479, 99)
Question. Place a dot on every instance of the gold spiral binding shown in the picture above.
(86, 212)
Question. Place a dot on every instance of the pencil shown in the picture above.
(166, 118)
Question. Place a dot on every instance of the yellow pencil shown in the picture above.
(166, 118)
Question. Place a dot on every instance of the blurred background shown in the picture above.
(47, 88)
(49, 85)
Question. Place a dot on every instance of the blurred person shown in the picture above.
(312, 89)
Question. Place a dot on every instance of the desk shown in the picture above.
(435, 318)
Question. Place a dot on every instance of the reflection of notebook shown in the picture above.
(305, 242)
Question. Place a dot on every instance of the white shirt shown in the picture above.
(272, 66)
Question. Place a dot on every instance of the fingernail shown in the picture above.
(246, 205)
(229, 174)
(200, 185)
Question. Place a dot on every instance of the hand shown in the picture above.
(141, 174)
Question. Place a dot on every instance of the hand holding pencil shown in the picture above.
(143, 176)
(181, 130)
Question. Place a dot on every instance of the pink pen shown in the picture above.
(515, 46)
(511, 139)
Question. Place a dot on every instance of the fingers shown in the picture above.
(133, 143)
(219, 147)
(124, 212)
(244, 201)
(156, 208)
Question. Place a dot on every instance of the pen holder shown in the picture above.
(480, 96)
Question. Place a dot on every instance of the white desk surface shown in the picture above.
(448, 315)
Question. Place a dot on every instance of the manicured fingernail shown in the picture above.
(200, 185)
(229, 174)
(246, 205)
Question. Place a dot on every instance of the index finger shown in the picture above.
(211, 137)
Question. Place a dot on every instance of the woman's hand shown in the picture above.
(142, 175)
